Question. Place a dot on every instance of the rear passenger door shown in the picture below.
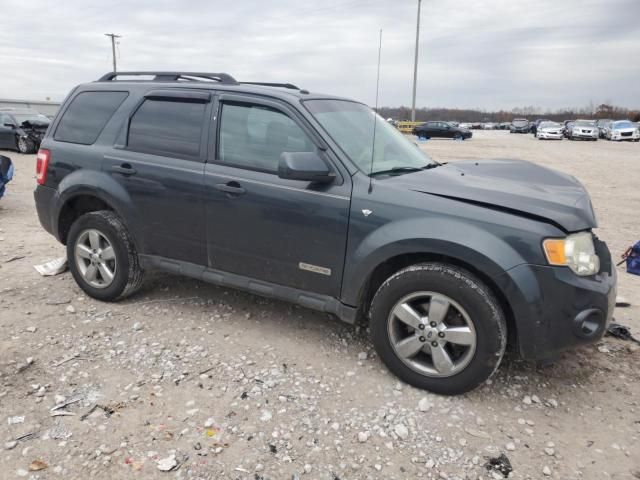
(287, 232)
(160, 164)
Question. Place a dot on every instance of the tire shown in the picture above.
(466, 293)
(123, 258)
(25, 146)
(458, 136)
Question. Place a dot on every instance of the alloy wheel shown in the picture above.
(95, 258)
(432, 334)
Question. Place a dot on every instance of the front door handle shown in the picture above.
(124, 169)
(232, 188)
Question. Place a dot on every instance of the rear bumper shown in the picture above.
(554, 309)
(46, 198)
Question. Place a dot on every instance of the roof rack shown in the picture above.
(172, 76)
(268, 84)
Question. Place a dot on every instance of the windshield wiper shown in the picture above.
(401, 170)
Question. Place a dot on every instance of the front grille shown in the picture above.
(626, 134)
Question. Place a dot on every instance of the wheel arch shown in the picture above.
(74, 207)
(393, 264)
(83, 191)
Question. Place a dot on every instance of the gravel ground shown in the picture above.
(188, 380)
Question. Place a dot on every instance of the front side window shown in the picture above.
(351, 126)
(87, 115)
(168, 128)
(255, 136)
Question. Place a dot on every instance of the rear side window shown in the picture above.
(167, 127)
(87, 115)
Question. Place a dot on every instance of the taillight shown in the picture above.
(42, 163)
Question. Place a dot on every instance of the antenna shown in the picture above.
(375, 116)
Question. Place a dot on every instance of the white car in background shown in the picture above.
(465, 125)
(584, 129)
(549, 131)
(623, 130)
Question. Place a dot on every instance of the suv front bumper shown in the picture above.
(554, 309)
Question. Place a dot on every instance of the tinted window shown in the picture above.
(167, 127)
(87, 115)
(253, 136)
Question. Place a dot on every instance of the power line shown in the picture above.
(113, 37)
(415, 66)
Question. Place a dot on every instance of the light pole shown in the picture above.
(415, 66)
(113, 47)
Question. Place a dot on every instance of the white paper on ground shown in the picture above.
(52, 267)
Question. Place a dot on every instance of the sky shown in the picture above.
(487, 54)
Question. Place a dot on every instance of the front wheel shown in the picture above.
(102, 256)
(25, 145)
(438, 327)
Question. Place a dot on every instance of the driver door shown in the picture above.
(287, 232)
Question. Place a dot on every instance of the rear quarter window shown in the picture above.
(86, 116)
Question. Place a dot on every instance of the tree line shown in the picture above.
(530, 112)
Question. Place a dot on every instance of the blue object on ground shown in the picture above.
(6, 173)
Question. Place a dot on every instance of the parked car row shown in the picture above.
(589, 130)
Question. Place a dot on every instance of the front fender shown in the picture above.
(446, 236)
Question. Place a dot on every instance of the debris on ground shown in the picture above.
(52, 267)
(500, 464)
(622, 302)
(37, 465)
(621, 332)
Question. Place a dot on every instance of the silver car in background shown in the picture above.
(623, 130)
(549, 131)
(603, 126)
(584, 129)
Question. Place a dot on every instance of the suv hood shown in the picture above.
(515, 186)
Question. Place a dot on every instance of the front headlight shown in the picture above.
(575, 251)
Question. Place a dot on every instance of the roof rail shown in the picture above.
(268, 84)
(172, 76)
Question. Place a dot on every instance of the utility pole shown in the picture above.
(113, 47)
(415, 66)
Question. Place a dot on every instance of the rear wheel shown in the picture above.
(438, 327)
(102, 257)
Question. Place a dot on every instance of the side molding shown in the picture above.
(322, 303)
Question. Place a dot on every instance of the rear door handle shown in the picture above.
(124, 169)
(233, 188)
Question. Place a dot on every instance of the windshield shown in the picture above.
(550, 125)
(350, 125)
(519, 123)
(623, 124)
(30, 117)
(585, 123)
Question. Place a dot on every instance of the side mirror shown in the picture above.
(10, 125)
(306, 166)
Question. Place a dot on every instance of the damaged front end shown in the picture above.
(33, 132)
